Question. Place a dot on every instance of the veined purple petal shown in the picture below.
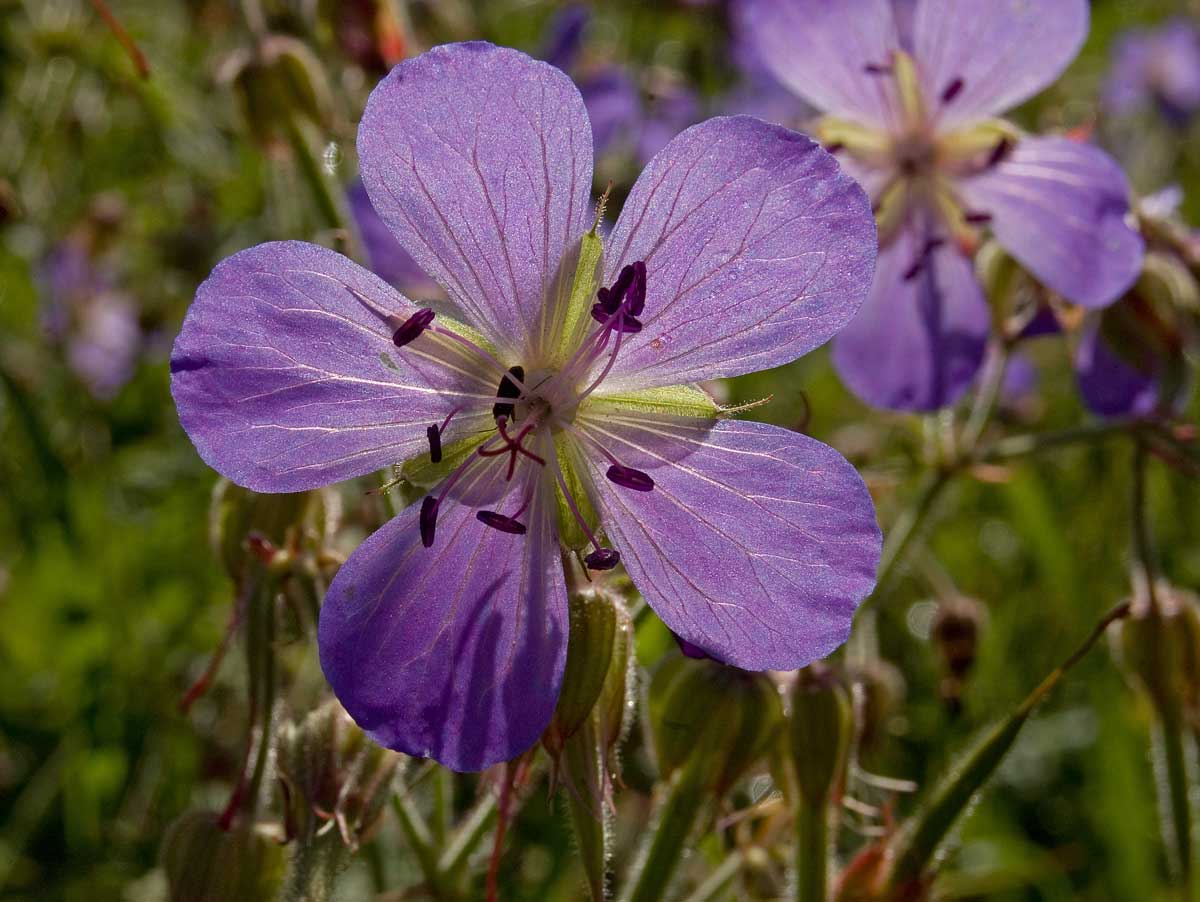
(822, 51)
(1004, 51)
(756, 544)
(479, 159)
(919, 340)
(1061, 208)
(453, 652)
(387, 259)
(1110, 387)
(757, 250)
(280, 378)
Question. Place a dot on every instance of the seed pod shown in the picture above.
(205, 863)
(818, 732)
(713, 717)
(1159, 649)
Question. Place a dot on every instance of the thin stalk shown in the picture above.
(1170, 737)
(327, 197)
(679, 813)
(715, 885)
(991, 384)
(812, 850)
(1018, 446)
(908, 526)
(468, 836)
(264, 609)
(416, 831)
(443, 792)
(1144, 568)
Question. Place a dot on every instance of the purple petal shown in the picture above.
(104, 350)
(479, 159)
(919, 339)
(673, 108)
(756, 544)
(387, 259)
(454, 652)
(1020, 381)
(563, 35)
(821, 50)
(757, 250)
(1005, 51)
(1162, 65)
(280, 378)
(1061, 208)
(613, 106)
(1110, 386)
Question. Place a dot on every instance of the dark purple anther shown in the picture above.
(999, 152)
(610, 298)
(835, 148)
(637, 289)
(877, 69)
(629, 478)
(627, 324)
(428, 520)
(952, 90)
(435, 444)
(919, 264)
(498, 521)
(977, 218)
(412, 327)
(602, 559)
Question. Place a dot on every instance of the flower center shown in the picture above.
(529, 408)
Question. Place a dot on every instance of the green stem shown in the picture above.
(1018, 446)
(1170, 737)
(676, 820)
(262, 658)
(443, 791)
(416, 831)
(812, 850)
(718, 881)
(907, 527)
(326, 195)
(468, 836)
(987, 397)
(1144, 568)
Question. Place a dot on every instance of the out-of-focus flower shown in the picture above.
(670, 108)
(557, 414)
(84, 313)
(385, 256)
(1159, 67)
(911, 116)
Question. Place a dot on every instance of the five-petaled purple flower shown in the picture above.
(542, 403)
(909, 100)
(1158, 66)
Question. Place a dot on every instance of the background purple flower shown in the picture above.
(1159, 66)
(740, 247)
(385, 256)
(910, 93)
(1109, 385)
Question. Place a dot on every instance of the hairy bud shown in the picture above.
(205, 863)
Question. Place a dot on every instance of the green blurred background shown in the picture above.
(111, 600)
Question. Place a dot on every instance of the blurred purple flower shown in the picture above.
(562, 40)
(385, 256)
(614, 106)
(911, 115)
(741, 247)
(1110, 385)
(1159, 66)
(671, 108)
(95, 323)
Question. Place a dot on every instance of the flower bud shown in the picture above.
(597, 645)
(279, 78)
(205, 863)
(713, 716)
(1159, 649)
(955, 633)
(333, 771)
(237, 514)
(879, 692)
(818, 732)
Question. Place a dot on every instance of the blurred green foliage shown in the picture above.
(111, 600)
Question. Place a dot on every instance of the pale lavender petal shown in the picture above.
(1161, 65)
(1061, 208)
(757, 250)
(919, 339)
(286, 380)
(387, 258)
(1110, 386)
(756, 543)
(479, 158)
(823, 51)
(1020, 381)
(453, 652)
(104, 349)
(1003, 51)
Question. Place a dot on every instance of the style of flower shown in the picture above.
(1157, 67)
(910, 92)
(542, 403)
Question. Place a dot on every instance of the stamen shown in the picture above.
(435, 444)
(470, 345)
(412, 327)
(512, 446)
(923, 258)
(629, 478)
(835, 148)
(602, 558)
(977, 217)
(878, 69)
(429, 512)
(499, 521)
(510, 387)
(1002, 149)
(952, 90)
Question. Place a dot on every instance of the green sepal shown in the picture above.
(593, 627)
(570, 533)
(423, 473)
(565, 335)
(676, 400)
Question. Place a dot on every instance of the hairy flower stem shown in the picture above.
(260, 647)
(416, 833)
(320, 183)
(716, 884)
(991, 384)
(907, 527)
(1144, 569)
(682, 807)
(812, 850)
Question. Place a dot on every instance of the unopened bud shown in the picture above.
(711, 716)
(246, 526)
(1159, 649)
(279, 79)
(205, 863)
(818, 732)
(879, 692)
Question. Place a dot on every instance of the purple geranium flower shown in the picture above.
(537, 403)
(1110, 385)
(1158, 66)
(909, 107)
